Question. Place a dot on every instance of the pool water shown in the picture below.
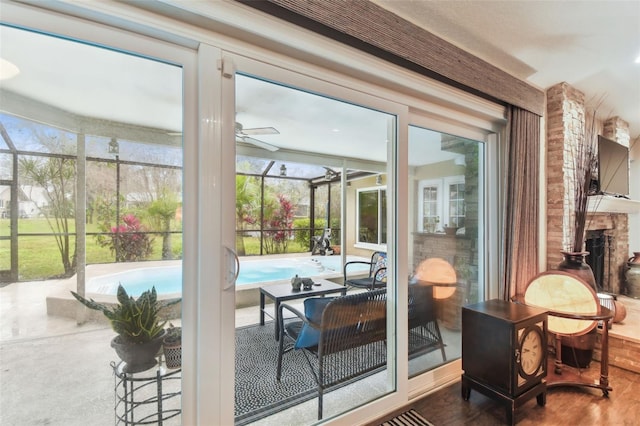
(168, 279)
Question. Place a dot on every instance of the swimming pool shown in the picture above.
(168, 279)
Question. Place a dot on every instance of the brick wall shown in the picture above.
(462, 253)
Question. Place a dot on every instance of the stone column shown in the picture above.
(565, 120)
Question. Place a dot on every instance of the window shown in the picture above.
(429, 207)
(456, 205)
(441, 203)
(372, 213)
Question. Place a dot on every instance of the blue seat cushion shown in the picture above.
(313, 308)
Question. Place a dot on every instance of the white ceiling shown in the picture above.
(592, 45)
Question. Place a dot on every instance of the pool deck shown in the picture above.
(60, 302)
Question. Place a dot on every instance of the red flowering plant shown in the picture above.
(128, 241)
(278, 223)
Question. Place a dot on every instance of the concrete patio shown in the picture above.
(56, 372)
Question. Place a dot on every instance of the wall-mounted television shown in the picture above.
(613, 168)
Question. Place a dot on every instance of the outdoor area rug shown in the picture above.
(258, 393)
(408, 418)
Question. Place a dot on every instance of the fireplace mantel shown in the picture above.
(612, 204)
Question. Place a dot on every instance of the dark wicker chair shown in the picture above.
(377, 275)
(343, 338)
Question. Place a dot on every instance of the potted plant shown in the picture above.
(138, 325)
(450, 230)
(172, 344)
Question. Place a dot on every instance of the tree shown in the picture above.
(56, 175)
(164, 209)
(247, 199)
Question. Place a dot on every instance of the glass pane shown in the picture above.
(278, 202)
(335, 211)
(5, 208)
(5, 230)
(444, 258)
(5, 249)
(112, 123)
(368, 217)
(6, 166)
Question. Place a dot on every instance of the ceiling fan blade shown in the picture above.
(259, 143)
(260, 131)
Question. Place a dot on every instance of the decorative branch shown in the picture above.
(585, 159)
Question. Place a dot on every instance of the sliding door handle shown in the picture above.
(232, 266)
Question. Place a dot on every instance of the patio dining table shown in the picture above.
(283, 292)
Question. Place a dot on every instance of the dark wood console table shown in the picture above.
(558, 375)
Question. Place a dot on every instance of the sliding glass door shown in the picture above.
(92, 146)
(300, 152)
(446, 248)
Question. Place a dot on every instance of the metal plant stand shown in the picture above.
(149, 397)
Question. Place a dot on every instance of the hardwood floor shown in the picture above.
(565, 405)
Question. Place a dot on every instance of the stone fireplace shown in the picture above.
(608, 217)
(614, 230)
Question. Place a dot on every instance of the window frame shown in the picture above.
(447, 182)
(443, 186)
(462, 114)
(379, 245)
(422, 184)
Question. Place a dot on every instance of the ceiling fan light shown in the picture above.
(114, 147)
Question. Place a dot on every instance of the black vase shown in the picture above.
(577, 351)
(574, 263)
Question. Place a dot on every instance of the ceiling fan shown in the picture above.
(330, 173)
(244, 135)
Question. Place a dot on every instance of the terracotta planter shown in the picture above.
(450, 230)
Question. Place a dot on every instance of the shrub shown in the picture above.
(127, 242)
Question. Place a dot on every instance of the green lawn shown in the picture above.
(39, 257)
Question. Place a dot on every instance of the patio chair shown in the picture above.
(341, 338)
(377, 276)
(344, 338)
(424, 331)
(322, 243)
